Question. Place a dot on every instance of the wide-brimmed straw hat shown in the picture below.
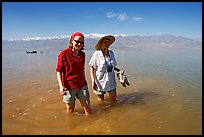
(110, 37)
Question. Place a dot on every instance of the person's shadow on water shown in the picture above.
(137, 97)
(133, 98)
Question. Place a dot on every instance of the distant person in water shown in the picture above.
(71, 75)
(103, 64)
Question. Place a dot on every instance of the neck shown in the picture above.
(76, 52)
(105, 52)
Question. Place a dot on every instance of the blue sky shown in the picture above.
(42, 19)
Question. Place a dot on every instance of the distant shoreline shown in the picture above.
(122, 42)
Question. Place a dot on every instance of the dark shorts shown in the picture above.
(72, 95)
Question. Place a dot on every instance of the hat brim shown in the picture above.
(112, 39)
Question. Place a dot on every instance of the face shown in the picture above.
(105, 44)
(78, 43)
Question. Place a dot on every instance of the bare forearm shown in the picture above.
(59, 79)
(116, 69)
(93, 83)
(92, 72)
(119, 70)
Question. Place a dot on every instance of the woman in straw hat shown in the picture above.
(103, 64)
(71, 76)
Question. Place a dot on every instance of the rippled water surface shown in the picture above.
(165, 95)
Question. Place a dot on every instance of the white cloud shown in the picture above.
(111, 14)
(137, 18)
(122, 17)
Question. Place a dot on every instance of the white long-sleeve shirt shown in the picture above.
(104, 80)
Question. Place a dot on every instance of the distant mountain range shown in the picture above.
(122, 42)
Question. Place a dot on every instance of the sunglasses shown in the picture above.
(78, 41)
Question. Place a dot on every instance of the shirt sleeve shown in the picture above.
(60, 65)
(93, 60)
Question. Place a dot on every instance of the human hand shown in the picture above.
(121, 72)
(62, 91)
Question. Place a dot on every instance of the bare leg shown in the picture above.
(101, 97)
(88, 102)
(86, 106)
(70, 106)
(113, 96)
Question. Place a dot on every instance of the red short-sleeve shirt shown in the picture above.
(72, 69)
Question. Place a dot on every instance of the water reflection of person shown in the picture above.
(71, 75)
(103, 64)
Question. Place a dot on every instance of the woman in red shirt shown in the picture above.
(71, 75)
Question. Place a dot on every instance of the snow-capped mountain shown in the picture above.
(122, 42)
(91, 35)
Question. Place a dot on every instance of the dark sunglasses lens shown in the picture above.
(78, 42)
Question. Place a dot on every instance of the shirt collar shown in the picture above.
(69, 50)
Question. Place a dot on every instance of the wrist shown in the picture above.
(61, 88)
(121, 71)
(117, 69)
